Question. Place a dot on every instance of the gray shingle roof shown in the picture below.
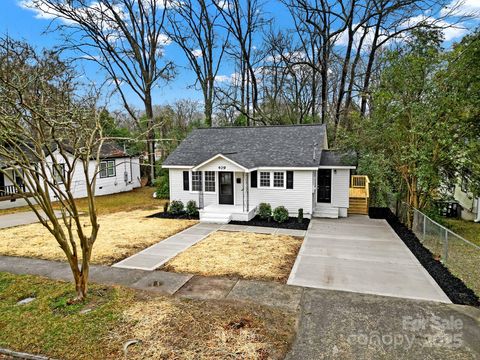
(338, 158)
(285, 146)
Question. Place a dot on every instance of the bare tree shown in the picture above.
(126, 38)
(194, 27)
(48, 139)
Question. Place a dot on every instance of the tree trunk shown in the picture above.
(150, 138)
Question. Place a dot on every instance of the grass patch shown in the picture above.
(168, 327)
(121, 234)
(240, 254)
(140, 198)
(467, 229)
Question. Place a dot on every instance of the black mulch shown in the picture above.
(166, 215)
(455, 289)
(291, 223)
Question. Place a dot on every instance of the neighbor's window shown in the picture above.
(196, 180)
(264, 179)
(210, 181)
(59, 173)
(279, 179)
(107, 168)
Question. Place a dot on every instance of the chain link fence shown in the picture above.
(460, 256)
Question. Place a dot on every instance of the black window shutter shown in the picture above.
(289, 179)
(186, 182)
(253, 179)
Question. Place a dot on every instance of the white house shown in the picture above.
(229, 171)
(118, 172)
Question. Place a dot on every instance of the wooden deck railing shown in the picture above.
(359, 186)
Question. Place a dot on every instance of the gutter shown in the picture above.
(478, 211)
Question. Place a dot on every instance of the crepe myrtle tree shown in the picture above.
(47, 136)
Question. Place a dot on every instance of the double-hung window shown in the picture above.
(278, 179)
(107, 168)
(209, 181)
(196, 180)
(264, 179)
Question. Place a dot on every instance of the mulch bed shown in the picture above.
(291, 223)
(455, 289)
(166, 215)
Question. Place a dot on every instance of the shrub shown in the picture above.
(280, 214)
(176, 207)
(191, 208)
(300, 216)
(165, 206)
(163, 187)
(264, 211)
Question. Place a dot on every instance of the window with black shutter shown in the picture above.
(186, 181)
(253, 179)
(289, 179)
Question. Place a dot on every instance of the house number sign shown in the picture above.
(222, 167)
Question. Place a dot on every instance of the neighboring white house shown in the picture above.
(229, 171)
(470, 204)
(118, 172)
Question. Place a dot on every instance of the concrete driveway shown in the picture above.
(362, 255)
(20, 218)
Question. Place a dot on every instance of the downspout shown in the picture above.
(478, 211)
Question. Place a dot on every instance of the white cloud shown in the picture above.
(223, 78)
(197, 53)
(462, 8)
(450, 31)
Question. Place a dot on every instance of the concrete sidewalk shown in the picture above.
(156, 255)
(20, 218)
(361, 255)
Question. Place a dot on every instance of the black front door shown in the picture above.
(324, 185)
(225, 193)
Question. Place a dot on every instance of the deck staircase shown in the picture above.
(359, 195)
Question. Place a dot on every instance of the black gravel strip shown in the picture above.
(165, 215)
(455, 289)
(291, 223)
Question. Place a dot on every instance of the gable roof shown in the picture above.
(251, 147)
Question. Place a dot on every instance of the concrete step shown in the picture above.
(215, 218)
(326, 212)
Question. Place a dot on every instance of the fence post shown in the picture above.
(424, 225)
(445, 248)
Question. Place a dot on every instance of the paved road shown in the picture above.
(20, 218)
(362, 255)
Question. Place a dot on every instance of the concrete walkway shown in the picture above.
(361, 255)
(156, 255)
(20, 218)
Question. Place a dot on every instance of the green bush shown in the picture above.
(300, 216)
(163, 187)
(280, 214)
(264, 211)
(176, 207)
(191, 208)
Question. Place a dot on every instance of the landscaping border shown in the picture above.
(453, 287)
(292, 223)
(166, 215)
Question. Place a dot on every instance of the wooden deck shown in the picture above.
(359, 194)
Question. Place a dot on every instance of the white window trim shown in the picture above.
(106, 169)
(214, 182)
(259, 183)
(190, 176)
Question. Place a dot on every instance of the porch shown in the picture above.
(223, 214)
(359, 194)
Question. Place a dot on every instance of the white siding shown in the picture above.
(340, 188)
(220, 164)
(293, 199)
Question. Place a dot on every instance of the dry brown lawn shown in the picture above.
(121, 234)
(168, 327)
(239, 254)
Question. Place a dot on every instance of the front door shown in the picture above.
(324, 185)
(225, 193)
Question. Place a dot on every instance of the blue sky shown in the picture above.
(21, 23)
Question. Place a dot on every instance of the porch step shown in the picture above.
(326, 212)
(358, 206)
(215, 218)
